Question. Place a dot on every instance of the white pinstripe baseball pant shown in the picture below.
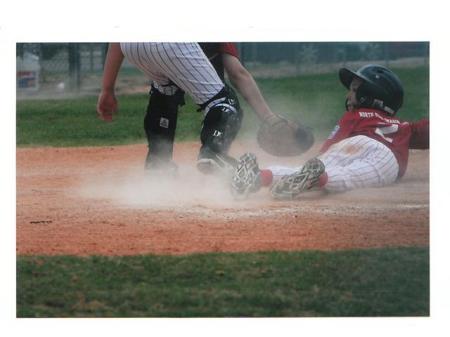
(354, 162)
(184, 64)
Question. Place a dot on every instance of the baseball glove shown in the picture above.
(281, 137)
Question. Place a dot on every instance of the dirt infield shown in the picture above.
(98, 201)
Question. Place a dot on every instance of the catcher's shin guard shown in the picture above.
(160, 124)
(220, 126)
(223, 118)
(290, 186)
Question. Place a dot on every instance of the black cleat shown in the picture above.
(159, 166)
(210, 162)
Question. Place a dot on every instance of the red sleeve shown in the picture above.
(341, 131)
(420, 134)
(229, 48)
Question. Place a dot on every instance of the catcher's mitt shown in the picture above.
(281, 137)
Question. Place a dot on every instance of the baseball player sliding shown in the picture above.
(368, 148)
(180, 65)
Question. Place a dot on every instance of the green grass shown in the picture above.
(74, 122)
(317, 100)
(375, 282)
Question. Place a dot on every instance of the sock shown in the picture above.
(323, 179)
(266, 177)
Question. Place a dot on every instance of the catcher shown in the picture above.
(162, 114)
(368, 148)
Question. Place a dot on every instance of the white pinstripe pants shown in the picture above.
(355, 162)
(183, 63)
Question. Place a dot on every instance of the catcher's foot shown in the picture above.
(246, 178)
(290, 186)
(210, 162)
(155, 165)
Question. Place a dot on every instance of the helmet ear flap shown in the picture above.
(369, 96)
(363, 95)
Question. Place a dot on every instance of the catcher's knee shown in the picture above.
(222, 121)
(160, 122)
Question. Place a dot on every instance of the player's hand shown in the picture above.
(283, 137)
(106, 105)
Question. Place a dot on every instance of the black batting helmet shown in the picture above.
(380, 88)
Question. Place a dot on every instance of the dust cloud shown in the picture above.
(159, 190)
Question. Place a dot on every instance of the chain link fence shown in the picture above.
(51, 70)
(57, 68)
(291, 59)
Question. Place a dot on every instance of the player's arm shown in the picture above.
(243, 81)
(107, 103)
(420, 134)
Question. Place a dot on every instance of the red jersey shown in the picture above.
(397, 135)
(214, 51)
(229, 48)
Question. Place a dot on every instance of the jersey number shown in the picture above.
(387, 130)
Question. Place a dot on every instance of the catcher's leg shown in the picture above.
(290, 186)
(160, 124)
(220, 126)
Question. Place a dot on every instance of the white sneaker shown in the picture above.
(290, 186)
(246, 178)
